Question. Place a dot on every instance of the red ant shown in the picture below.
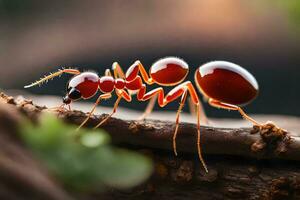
(224, 84)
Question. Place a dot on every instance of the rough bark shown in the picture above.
(244, 163)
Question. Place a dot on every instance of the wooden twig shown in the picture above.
(248, 142)
(243, 163)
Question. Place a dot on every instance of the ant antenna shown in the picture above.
(52, 75)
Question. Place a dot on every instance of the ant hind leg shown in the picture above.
(267, 126)
(219, 104)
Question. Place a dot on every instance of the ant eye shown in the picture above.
(74, 94)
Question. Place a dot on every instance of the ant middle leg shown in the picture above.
(158, 93)
(179, 91)
(188, 87)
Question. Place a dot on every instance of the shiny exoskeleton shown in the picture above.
(224, 84)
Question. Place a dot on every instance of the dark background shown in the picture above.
(37, 37)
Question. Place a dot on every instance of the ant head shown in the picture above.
(84, 85)
(72, 95)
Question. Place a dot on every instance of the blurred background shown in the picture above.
(263, 36)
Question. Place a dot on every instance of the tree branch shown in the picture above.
(249, 142)
(229, 153)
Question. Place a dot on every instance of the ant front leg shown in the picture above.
(121, 94)
(219, 104)
(102, 96)
(61, 108)
(118, 72)
(107, 72)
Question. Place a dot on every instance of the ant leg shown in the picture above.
(113, 112)
(195, 99)
(158, 93)
(219, 104)
(134, 70)
(198, 107)
(58, 108)
(171, 96)
(103, 96)
(193, 111)
(118, 72)
(268, 125)
(107, 72)
(121, 94)
(192, 107)
(182, 101)
(149, 108)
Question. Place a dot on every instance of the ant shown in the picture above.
(225, 85)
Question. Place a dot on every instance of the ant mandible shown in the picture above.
(225, 85)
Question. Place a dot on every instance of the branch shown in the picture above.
(229, 153)
(247, 142)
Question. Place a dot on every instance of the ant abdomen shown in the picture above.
(226, 82)
(169, 71)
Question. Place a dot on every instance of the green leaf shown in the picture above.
(94, 139)
(84, 159)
